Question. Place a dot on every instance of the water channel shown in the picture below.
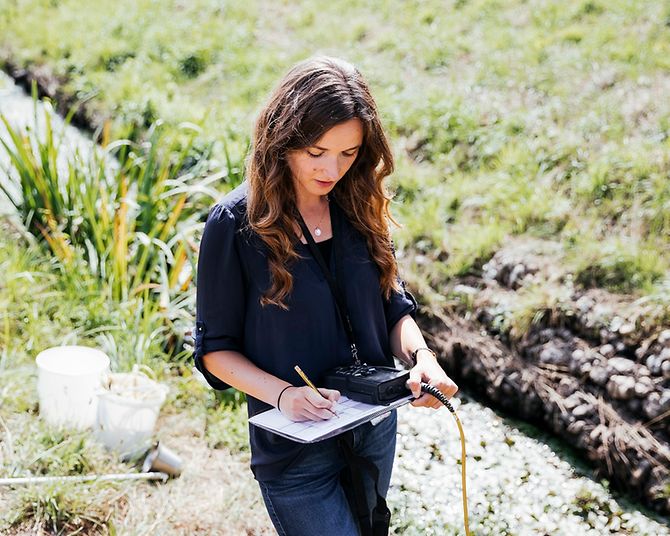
(520, 480)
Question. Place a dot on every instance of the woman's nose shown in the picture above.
(331, 168)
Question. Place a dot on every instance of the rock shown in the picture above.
(585, 368)
(584, 304)
(665, 354)
(620, 365)
(598, 375)
(583, 410)
(626, 328)
(566, 418)
(664, 338)
(607, 350)
(507, 271)
(654, 364)
(578, 355)
(607, 336)
(567, 386)
(598, 359)
(601, 311)
(580, 362)
(572, 401)
(489, 271)
(643, 387)
(665, 370)
(616, 323)
(652, 406)
(576, 427)
(664, 400)
(621, 387)
(553, 355)
(565, 334)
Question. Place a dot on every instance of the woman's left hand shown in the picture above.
(429, 370)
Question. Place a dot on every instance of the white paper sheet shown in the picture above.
(349, 414)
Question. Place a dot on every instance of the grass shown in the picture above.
(539, 118)
(54, 308)
(190, 418)
(68, 300)
(65, 510)
(126, 217)
(30, 447)
(126, 214)
(43, 308)
(621, 264)
(543, 305)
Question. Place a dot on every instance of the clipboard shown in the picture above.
(350, 414)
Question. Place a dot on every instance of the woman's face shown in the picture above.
(317, 168)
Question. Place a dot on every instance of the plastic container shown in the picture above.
(128, 407)
(68, 378)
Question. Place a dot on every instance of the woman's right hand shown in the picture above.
(303, 404)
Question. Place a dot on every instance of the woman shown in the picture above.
(264, 305)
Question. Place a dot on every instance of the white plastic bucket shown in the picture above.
(127, 415)
(67, 380)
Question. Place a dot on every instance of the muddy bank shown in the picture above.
(590, 368)
(48, 84)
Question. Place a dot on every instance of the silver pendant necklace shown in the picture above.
(317, 229)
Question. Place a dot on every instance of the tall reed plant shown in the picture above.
(129, 210)
(123, 207)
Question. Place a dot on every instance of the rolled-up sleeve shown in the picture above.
(400, 303)
(220, 292)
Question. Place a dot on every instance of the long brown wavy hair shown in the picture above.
(315, 95)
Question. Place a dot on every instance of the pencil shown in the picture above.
(310, 384)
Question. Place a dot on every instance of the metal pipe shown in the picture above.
(83, 478)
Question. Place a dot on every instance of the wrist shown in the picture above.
(422, 353)
(281, 393)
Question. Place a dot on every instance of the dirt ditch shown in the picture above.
(590, 367)
(48, 84)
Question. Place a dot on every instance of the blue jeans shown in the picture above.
(308, 499)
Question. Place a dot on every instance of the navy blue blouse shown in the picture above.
(233, 274)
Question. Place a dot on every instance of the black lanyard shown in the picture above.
(338, 293)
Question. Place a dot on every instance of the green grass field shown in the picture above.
(538, 118)
(524, 120)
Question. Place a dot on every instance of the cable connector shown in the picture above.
(434, 391)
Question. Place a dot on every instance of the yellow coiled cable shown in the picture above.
(434, 391)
